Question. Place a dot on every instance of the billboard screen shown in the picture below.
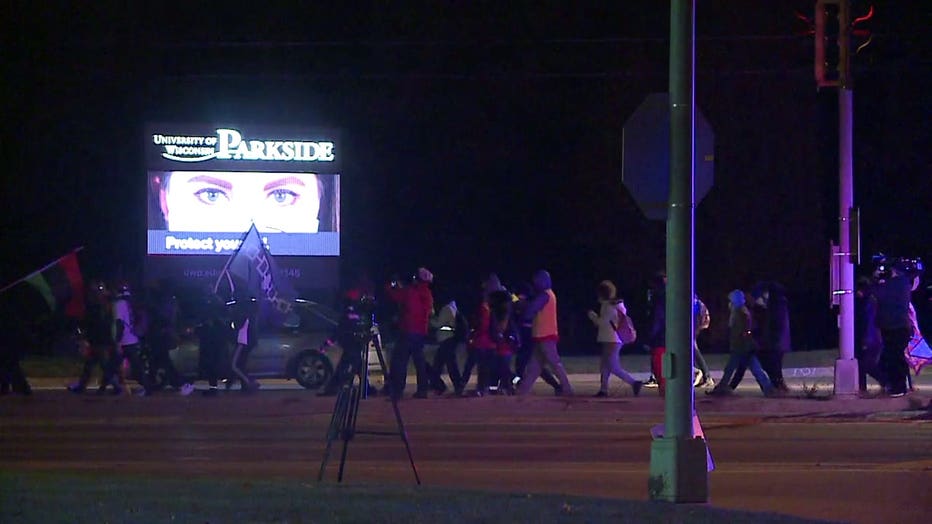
(208, 184)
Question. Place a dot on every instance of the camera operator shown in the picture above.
(893, 294)
(416, 304)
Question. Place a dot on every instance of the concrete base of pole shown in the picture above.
(678, 471)
(846, 377)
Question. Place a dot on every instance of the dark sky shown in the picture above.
(477, 135)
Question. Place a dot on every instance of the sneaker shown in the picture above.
(706, 382)
(651, 383)
(636, 387)
(898, 394)
(600, 394)
(140, 393)
(698, 378)
(186, 389)
(558, 390)
(77, 389)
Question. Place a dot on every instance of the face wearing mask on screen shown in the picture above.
(222, 202)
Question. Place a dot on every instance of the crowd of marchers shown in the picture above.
(510, 339)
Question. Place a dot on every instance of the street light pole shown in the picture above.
(678, 461)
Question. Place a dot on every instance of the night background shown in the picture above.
(478, 136)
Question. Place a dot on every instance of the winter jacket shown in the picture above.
(445, 322)
(481, 338)
(893, 296)
(740, 341)
(416, 304)
(607, 321)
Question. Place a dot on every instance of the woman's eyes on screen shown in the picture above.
(211, 195)
(283, 197)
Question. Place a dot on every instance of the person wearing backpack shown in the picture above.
(615, 330)
(128, 346)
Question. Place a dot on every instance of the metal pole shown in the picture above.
(846, 367)
(678, 469)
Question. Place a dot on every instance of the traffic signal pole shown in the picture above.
(846, 366)
(678, 461)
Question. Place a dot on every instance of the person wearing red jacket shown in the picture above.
(416, 304)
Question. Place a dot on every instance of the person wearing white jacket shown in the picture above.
(608, 319)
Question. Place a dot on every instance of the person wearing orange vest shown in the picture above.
(544, 332)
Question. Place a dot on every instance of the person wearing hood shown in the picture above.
(416, 305)
(742, 347)
(451, 332)
(542, 309)
(611, 313)
(525, 351)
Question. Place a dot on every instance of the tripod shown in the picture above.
(346, 409)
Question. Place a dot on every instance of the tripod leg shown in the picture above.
(337, 423)
(349, 427)
(404, 437)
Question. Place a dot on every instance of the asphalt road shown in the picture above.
(862, 463)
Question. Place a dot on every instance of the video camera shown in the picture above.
(885, 265)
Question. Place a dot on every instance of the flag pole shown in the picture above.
(43, 268)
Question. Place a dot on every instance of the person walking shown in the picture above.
(98, 347)
(504, 334)
(545, 334)
(416, 304)
(657, 336)
(481, 347)
(612, 313)
(246, 338)
(128, 346)
(213, 336)
(742, 347)
(525, 350)
(868, 344)
(451, 332)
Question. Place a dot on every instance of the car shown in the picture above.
(290, 346)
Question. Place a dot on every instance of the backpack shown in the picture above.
(625, 328)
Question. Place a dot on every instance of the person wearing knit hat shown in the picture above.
(612, 313)
(742, 347)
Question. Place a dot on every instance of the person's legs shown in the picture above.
(131, 353)
(766, 386)
(605, 370)
(399, 366)
(420, 364)
(893, 361)
(549, 351)
(734, 360)
(240, 360)
(531, 371)
(615, 366)
(772, 363)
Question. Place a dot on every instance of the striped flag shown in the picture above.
(59, 284)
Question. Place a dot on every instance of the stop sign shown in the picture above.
(646, 155)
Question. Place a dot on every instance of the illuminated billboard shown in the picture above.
(208, 184)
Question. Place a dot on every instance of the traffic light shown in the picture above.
(830, 42)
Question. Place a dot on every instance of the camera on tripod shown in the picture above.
(884, 266)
